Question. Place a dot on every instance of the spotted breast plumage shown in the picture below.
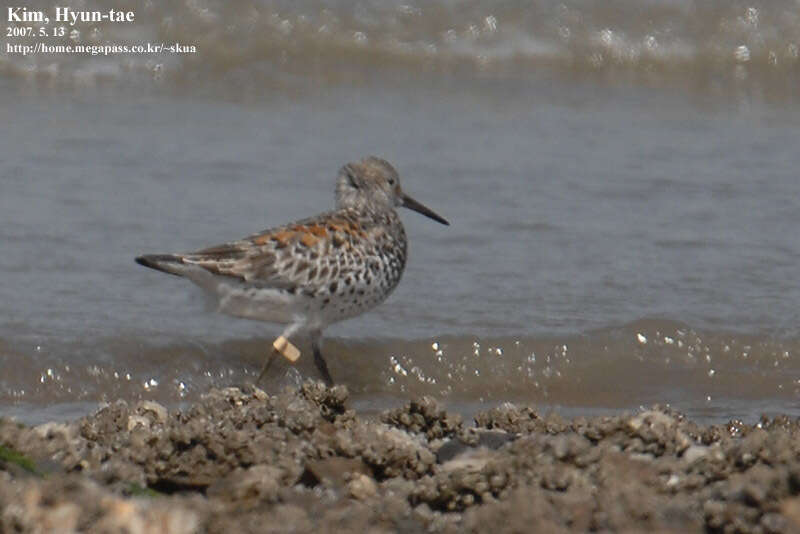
(315, 271)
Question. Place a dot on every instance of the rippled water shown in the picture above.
(621, 180)
(250, 46)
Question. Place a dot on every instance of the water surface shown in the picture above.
(623, 199)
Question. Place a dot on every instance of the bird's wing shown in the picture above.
(306, 254)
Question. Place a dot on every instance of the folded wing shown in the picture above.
(305, 254)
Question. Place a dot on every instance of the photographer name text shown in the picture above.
(69, 16)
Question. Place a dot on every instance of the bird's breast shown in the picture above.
(372, 274)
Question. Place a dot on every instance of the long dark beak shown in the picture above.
(412, 204)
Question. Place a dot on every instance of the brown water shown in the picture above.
(621, 178)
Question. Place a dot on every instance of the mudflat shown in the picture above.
(241, 460)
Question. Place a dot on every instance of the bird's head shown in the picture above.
(373, 183)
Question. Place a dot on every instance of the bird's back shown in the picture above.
(329, 267)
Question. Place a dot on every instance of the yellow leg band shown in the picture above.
(285, 348)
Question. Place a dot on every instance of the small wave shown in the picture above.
(646, 362)
(275, 44)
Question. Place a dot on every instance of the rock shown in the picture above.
(333, 471)
(362, 487)
(259, 483)
(511, 419)
(651, 418)
(55, 431)
(424, 416)
(476, 438)
(154, 409)
(695, 453)
(138, 420)
(790, 509)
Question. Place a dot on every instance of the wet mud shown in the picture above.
(241, 460)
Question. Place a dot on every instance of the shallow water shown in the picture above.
(623, 228)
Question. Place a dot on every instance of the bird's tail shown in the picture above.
(168, 263)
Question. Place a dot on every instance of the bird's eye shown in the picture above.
(352, 180)
(391, 181)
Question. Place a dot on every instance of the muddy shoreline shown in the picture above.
(241, 460)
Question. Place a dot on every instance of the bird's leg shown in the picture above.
(290, 330)
(319, 361)
(267, 364)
